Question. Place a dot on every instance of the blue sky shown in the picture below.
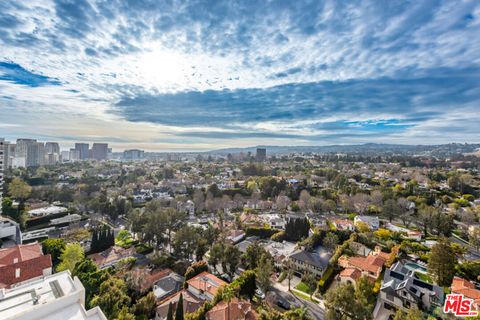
(200, 75)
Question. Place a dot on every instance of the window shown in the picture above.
(17, 273)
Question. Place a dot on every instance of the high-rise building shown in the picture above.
(83, 150)
(74, 155)
(65, 155)
(52, 147)
(100, 151)
(9, 154)
(133, 154)
(52, 153)
(261, 154)
(29, 153)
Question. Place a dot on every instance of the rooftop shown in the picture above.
(55, 297)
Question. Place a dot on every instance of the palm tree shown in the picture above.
(228, 294)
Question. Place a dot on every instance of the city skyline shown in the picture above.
(205, 76)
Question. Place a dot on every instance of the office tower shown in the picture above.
(82, 149)
(100, 151)
(52, 153)
(261, 154)
(52, 147)
(74, 155)
(133, 154)
(9, 154)
(26, 154)
(65, 156)
(40, 159)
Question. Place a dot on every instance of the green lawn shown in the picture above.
(303, 287)
(302, 295)
(424, 277)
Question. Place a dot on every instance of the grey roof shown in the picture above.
(318, 259)
(168, 285)
(399, 277)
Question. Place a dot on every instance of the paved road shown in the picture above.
(313, 308)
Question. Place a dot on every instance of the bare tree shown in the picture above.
(304, 200)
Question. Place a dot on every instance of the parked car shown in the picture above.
(259, 293)
(282, 303)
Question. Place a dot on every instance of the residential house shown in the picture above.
(201, 288)
(401, 289)
(314, 262)
(468, 289)
(235, 236)
(342, 224)
(236, 309)
(370, 266)
(166, 286)
(111, 256)
(205, 285)
(191, 303)
(22, 263)
(371, 221)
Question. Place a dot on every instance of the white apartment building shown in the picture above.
(53, 297)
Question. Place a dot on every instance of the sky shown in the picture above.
(200, 75)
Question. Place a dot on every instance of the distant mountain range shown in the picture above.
(368, 148)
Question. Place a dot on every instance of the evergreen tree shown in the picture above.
(170, 312)
(179, 311)
(441, 263)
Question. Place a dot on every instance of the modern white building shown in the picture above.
(10, 232)
(54, 297)
(371, 221)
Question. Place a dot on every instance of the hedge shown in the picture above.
(326, 279)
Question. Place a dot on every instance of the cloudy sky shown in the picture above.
(199, 75)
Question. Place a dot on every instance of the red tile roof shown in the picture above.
(21, 263)
(462, 286)
(21, 252)
(206, 282)
(353, 273)
(370, 264)
(236, 309)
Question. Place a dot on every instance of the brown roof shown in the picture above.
(371, 263)
(22, 252)
(147, 278)
(21, 263)
(353, 273)
(235, 310)
(206, 282)
(462, 286)
(111, 255)
(190, 303)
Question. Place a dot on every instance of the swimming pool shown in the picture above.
(416, 267)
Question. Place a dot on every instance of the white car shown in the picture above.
(259, 293)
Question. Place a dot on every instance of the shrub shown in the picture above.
(326, 279)
(262, 232)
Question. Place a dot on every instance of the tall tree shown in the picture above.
(341, 304)
(19, 189)
(179, 312)
(441, 263)
(54, 247)
(170, 312)
(112, 297)
(264, 273)
(70, 256)
(309, 279)
(216, 254)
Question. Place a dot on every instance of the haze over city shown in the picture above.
(203, 75)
